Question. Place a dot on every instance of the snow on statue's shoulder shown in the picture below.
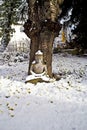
(34, 62)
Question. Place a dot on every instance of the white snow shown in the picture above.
(19, 41)
(39, 52)
(59, 105)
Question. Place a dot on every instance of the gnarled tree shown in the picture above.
(42, 26)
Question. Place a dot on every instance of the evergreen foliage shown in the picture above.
(79, 18)
(9, 14)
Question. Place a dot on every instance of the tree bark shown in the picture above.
(41, 27)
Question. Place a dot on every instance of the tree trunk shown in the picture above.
(46, 45)
(41, 27)
(33, 49)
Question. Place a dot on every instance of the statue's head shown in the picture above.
(39, 56)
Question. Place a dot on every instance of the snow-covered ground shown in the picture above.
(58, 105)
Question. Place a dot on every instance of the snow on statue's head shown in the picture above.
(39, 56)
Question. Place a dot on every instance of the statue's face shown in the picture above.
(39, 58)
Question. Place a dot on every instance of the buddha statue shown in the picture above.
(38, 67)
(38, 70)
